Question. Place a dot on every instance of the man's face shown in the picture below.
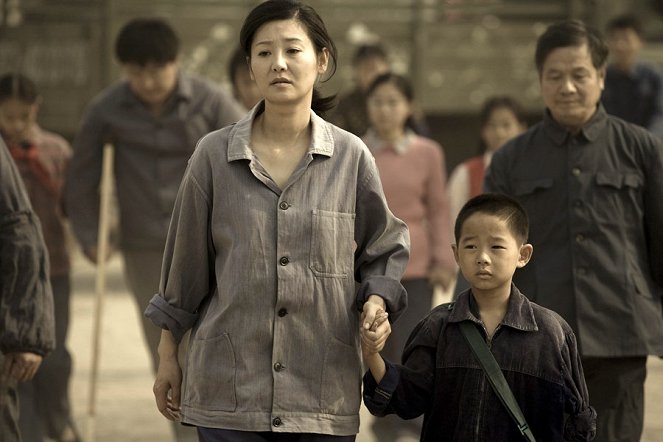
(625, 45)
(571, 86)
(152, 83)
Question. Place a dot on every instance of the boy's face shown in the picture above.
(152, 83)
(488, 254)
(17, 117)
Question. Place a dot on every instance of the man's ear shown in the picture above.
(525, 255)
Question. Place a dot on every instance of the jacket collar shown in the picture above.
(239, 139)
(519, 313)
(590, 131)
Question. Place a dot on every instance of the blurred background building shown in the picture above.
(457, 52)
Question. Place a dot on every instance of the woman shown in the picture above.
(413, 175)
(276, 218)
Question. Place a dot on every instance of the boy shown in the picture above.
(536, 349)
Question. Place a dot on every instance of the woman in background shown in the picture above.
(413, 176)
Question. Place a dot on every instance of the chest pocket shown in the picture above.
(617, 198)
(332, 235)
(532, 195)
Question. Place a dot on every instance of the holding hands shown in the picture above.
(375, 329)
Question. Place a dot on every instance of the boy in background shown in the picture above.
(534, 346)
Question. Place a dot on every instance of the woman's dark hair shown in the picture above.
(499, 102)
(147, 40)
(18, 86)
(402, 84)
(273, 10)
(571, 33)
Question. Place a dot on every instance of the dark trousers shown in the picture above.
(45, 410)
(616, 391)
(419, 304)
(218, 435)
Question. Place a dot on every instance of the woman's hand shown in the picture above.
(168, 383)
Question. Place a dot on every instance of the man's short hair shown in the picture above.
(502, 206)
(147, 40)
(622, 22)
(571, 33)
(368, 52)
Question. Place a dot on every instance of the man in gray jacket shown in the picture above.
(27, 328)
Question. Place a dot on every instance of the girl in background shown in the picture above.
(413, 176)
(41, 158)
(501, 118)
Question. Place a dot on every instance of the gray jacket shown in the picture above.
(266, 278)
(26, 300)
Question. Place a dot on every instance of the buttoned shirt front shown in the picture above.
(595, 202)
(266, 278)
(151, 153)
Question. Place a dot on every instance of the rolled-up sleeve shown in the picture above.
(187, 274)
(383, 244)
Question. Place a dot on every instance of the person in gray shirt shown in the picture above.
(592, 185)
(277, 219)
(153, 118)
(27, 324)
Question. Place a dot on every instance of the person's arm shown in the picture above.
(443, 265)
(497, 174)
(581, 423)
(81, 192)
(458, 190)
(656, 121)
(653, 210)
(26, 299)
(408, 389)
(168, 383)
(383, 243)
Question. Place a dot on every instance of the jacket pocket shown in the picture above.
(616, 198)
(332, 236)
(341, 379)
(211, 374)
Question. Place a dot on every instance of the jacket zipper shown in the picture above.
(489, 342)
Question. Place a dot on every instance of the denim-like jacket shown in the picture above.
(265, 278)
(441, 378)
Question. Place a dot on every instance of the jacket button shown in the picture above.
(283, 312)
(278, 366)
(284, 261)
(283, 205)
(277, 422)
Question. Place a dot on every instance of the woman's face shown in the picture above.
(284, 62)
(502, 125)
(388, 109)
(17, 118)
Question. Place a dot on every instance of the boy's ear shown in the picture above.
(454, 247)
(525, 255)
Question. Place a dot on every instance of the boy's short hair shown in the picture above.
(626, 21)
(147, 40)
(499, 205)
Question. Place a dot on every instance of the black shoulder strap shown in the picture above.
(495, 376)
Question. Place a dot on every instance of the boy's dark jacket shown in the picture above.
(441, 378)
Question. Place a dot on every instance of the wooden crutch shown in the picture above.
(106, 192)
